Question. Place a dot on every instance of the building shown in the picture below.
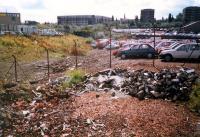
(147, 15)
(192, 27)
(9, 21)
(126, 21)
(191, 14)
(27, 29)
(29, 22)
(82, 20)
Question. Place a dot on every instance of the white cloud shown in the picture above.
(48, 10)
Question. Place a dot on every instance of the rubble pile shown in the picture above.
(166, 84)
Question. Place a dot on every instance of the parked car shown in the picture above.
(101, 43)
(174, 45)
(140, 50)
(113, 46)
(163, 44)
(124, 47)
(2, 33)
(183, 51)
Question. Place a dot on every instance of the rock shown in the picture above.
(140, 95)
(113, 94)
(155, 94)
(9, 85)
(166, 84)
(97, 95)
(33, 82)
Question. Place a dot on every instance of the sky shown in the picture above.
(48, 10)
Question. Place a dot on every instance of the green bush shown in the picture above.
(76, 76)
(89, 41)
(194, 102)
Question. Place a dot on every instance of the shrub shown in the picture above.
(76, 76)
(89, 41)
(194, 102)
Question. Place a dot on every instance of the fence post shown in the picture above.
(154, 42)
(15, 64)
(48, 73)
(76, 54)
(110, 49)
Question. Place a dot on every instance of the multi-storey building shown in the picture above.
(82, 20)
(191, 14)
(147, 15)
(9, 21)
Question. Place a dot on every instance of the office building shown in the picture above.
(82, 20)
(147, 15)
(9, 21)
(191, 14)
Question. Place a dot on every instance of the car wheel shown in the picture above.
(168, 58)
(149, 55)
(123, 56)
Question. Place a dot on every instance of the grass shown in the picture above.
(75, 77)
(194, 102)
(28, 49)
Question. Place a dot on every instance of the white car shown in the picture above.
(183, 51)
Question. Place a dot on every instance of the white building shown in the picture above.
(27, 29)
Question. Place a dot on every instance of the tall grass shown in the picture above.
(194, 102)
(33, 48)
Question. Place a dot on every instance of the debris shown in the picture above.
(9, 85)
(166, 84)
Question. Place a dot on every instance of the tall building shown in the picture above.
(82, 20)
(147, 15)
(9, 21)
(191, 14)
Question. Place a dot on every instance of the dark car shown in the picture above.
(141, 51)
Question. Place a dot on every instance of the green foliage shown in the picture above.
(85, 32)
(76, 76)
(194, 102)
(89, 40)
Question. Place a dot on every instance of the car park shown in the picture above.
(183, 51)
(140, 50)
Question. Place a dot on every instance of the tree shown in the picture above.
(66, 28)
(113, 19)
(170, 17)
(179, 17)
(136, 19)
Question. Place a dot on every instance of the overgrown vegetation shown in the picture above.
(33, 48)
(75, 77)
(194, 102)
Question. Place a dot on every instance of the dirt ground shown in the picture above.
(99, 113)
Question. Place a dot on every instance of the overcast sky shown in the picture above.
(48, 10)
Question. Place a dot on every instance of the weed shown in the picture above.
(194, 102)
(76, 76)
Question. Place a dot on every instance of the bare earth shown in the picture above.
(100, 114)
